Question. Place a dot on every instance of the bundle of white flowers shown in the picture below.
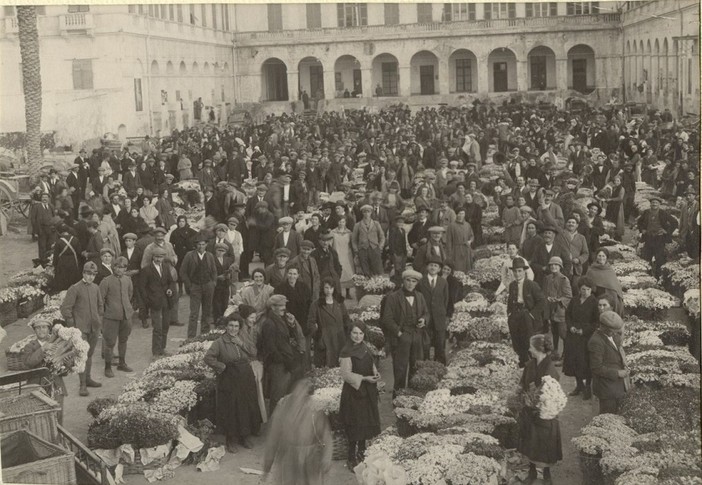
(691, 301)
(465, 279)
(623, 267)
(203, 346)
(180, 397)
(552, 399)
(327, 399)
(650, 298)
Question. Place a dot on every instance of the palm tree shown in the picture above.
(31, 79)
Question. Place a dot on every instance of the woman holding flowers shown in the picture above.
(33, 357)
(539, 438)
(238, 413)
(605, 280)
(359, 396)
(581, 320)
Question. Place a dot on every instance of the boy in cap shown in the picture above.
(287, 238)
(105, 265)
(405, 316)
(397, 248)
(225, 274)
(558, 293)
(309, 271)
(275, 272)
(199, 273)
(368, 240)
(221, 231)
(95, 242)
(116, 291)
(83, 308)
(159, 242)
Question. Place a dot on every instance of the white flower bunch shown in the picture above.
(552, 399)
(466, 279)
(8, 295)
(473, 302)
(691, 301)
(633, 324)
(637, 281)
(47, 314)
(640, 476)
(606, 432)
(388, 444)
(55, 301)
(327, 400)
(375, 284)
(683, 273)
(650, 298)
(623, 267)
(18, 346)
(648, 338)
(440, 402)
(193, 362)
(378, 469)
(180, 397)
(473, 469)
(432, 466)
(195, 347)
(29, 291)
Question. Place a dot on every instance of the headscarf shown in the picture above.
(603, 276)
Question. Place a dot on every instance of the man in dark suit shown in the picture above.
(221, 238)
(74, 189)
(105, 265)
(656, 227)
(42, 215)
(433, 247)
(435, 290)
(220, 298)
(551, 247)
(380, 213)
(97, 183)
(419, 233)
(525, 308)
(158, 288)
(328, 263)
(199, 272)
(299, 299)
(131, 179)
(610, 377)
(287, 238)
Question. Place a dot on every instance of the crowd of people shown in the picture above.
(320, 200)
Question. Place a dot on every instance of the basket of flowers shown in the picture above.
(66, 352)
(14, 353)
(8, 306)
(30, 299)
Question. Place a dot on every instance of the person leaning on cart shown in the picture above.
(33, 358)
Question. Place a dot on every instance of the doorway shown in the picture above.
(317, 82)
(357, 83)
(499, 75)
(580, 75)
(426, 79)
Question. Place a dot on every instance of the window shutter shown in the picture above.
(363, 16)
(471, 11)
(570, 8)
(529, 9)
(87, 74)
(447, 13)
(340, 14)
(512, 10)
(488, 11)
(553, 8)
(179, 11)
(595, 8)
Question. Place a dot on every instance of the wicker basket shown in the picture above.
(14, 360)
(26, 458)
(340, 450)
(34, 411)
(29, 306)
(8, 313)
(137, 468)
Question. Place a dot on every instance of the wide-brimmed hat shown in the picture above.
(518, 263)
(411, 274)
(595, 204)
(556, 260)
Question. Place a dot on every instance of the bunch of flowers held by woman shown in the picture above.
(549, 398)
(66, 352)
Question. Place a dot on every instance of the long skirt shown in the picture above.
(576, 362)
(238, 414)
(359, 411)
(539, 439)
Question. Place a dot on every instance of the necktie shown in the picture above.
(46, 208)
(433, 282)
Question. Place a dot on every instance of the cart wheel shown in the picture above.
(23, 206)
(6, 202)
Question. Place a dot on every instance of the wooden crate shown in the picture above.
(33, 411)
(14, 360)
(26, 458)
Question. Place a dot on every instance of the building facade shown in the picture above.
(139, 69)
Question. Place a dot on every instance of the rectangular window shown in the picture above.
(582, 8)
(179, 12)
(338, 84)
(132, 8)
(78, 8)
(424, 14)
(140, 9)
(464, 82)
(192, 14)
(9, 10)
(314, 16)
(214, 17)
(171, 12)
(41, 10)
(689, 76)
(500, 10)
(390, 78)
(225, 16)
(164, 12)
(203, 15)
(138, 99)
(82, 74)
(392, 13)
(151, 10)
(458, 11)
(351, 14)
(541, 9)
(275, 17)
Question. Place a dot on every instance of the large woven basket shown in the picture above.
(340, 449)
(8, 313)
(26, 458)
(34, 411)
(14, 360)
(29, 306)
(137, 468)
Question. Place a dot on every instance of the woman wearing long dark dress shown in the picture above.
(238, 414)
(606, 281)
(474, 216)
(459, 237)
(332, 321)
(359, 396)
(183, 240)
(615, 207)
(581, 317)
(539, 439)
(67, 262)
(532, 241)
(133, 222)
(165, 209)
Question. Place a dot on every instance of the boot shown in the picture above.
(108, 370)
(246, 443)
(144, 323)
(547, 476)
(124, 367)
(83, 388)
(532, 471)
(91, 383)
(587, 393)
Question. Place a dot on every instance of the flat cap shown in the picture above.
(366, 207)
(282, 252)
(233, 220)
(277, 300)
(437, 229)
(120, 262)
(611, 320)
(411, 274)
(159, 230)
(221, 227)
(555, 260)
(285, 220)
(325, 236)
(221, 247)
(158, 251)
(434, 259)
(107, 250)
(307, 244)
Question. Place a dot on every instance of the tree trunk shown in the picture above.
(31, 79)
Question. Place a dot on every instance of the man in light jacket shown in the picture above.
(368, 240)
(199, 272)
(117, 291)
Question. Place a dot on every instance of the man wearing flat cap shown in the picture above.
(433, 247)
(435, 290)
(656, 227)
(160, 292)
(558, 292)
(282, 350)
(328, 263)
(199, 273)
(309, 271)
(83, 308)
(525, 309)
(221, 231)
(610, 376)
(226, 272)
(42, 214)
(404, 317)
(105, 265)
(161, 243)
(419, 233)
(549, 213)
(117, 291)
(551, 246)
(275, 272)
(368, 241)
(287, 238)
(278, 196)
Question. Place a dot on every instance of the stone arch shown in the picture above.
(463, 71)
(310, 77)
(349, 69)
(385, 73)
(196, 68)
(502, 70)
(424, 73)
(182, 70)
(170, 70)
(581, 68)
(274, 80)
(541, 68)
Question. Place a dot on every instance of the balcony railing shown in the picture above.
(467, 26)
(76, 22)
